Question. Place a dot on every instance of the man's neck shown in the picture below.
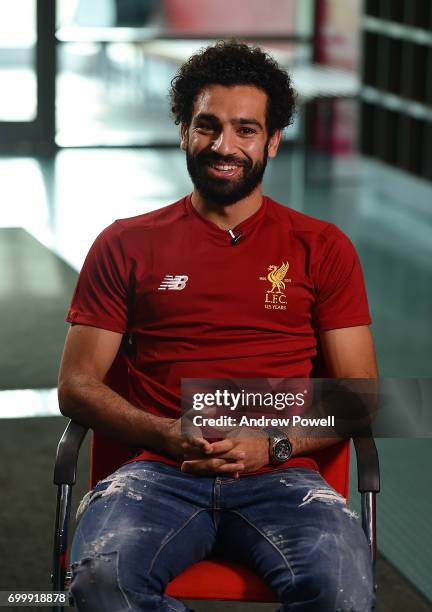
(228, 217)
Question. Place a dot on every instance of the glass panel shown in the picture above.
(181, 16)
(18, 100)
(226, 16)
(116, 93)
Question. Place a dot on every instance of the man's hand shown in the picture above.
(181, 445)
(243, 450)
(201, 457)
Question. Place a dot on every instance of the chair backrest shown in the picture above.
(107, 454)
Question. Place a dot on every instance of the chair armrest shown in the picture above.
(67, 453)
(368, 474)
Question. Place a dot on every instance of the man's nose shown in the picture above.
(224, 143)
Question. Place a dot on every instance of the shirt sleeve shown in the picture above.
(101, 295)
(341, 299)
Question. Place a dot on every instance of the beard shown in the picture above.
(224, 191)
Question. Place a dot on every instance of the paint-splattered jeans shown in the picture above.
(148, 521)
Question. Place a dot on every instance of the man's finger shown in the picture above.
(230, 456)
(222, 446)
(203, 464)
(211, 467)
(200, 443)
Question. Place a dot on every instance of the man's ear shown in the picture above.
(183, 136)
(274, 142)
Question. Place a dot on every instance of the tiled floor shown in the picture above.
(66, 202)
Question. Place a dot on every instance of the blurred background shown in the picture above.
(86, 137)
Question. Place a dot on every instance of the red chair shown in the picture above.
(210, 578)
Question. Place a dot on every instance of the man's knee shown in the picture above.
(350, 592)
(95, 584)
(336, 581)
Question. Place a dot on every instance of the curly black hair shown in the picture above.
(234, 63)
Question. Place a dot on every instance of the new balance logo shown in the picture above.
(173, 282)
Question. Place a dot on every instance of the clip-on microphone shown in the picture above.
(234, 237)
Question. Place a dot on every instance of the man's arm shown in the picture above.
(87, 357)
(349, 353)
(84, 397)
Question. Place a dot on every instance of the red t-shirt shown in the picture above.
(199, 307)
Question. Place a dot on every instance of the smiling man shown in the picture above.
(227, 178)
(225, 283)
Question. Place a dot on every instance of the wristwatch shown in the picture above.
(280, 448)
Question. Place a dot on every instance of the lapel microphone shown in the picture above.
(235, 238)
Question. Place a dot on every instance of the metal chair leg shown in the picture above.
(368, 513)
(60, 561)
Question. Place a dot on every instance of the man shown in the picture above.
(190, 286)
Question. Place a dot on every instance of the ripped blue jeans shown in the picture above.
(148, 521)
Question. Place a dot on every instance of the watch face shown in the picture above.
(282, 450)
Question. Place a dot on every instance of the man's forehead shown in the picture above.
(231, 101)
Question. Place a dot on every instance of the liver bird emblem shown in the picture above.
(276, 276)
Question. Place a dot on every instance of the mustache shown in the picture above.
(205, 157)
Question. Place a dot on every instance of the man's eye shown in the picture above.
(247, 131)
(204, 127)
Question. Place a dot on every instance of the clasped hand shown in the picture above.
(242, 450)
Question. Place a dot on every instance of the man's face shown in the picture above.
(227, 143)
